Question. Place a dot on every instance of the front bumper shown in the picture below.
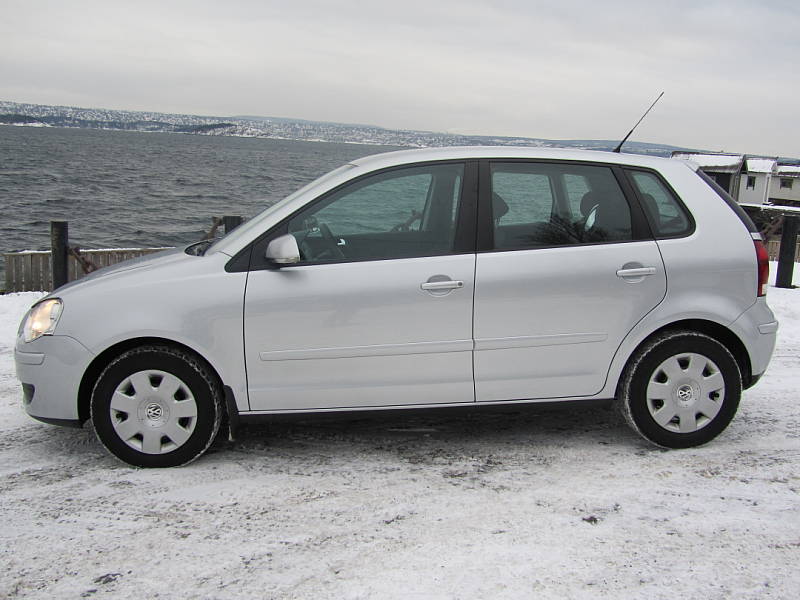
(50, 370)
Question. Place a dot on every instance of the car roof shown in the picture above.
(401, 157)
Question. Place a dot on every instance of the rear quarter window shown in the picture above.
(666, 215)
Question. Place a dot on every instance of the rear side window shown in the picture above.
(666, 215)
(576, 186)
(528, 196)
(547, 204)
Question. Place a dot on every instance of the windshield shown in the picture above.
(256, 221)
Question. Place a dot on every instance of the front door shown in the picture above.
(379, 311)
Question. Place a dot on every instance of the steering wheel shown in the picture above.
(333, 248)
(406, 225)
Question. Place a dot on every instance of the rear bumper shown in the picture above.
(757, 328)
(50, 370)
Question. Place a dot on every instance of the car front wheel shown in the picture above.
(156, 406)
(681, 389)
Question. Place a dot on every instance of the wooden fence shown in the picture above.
(32, 271)
(774, 246)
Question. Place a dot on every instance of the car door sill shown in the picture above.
(379, 411)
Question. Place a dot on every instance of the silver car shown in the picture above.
(457, 277)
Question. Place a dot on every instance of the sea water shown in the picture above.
(130, 189)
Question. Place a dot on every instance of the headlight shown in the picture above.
(42, 319)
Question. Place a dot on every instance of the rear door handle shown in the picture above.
(442, 285)
(636, 272)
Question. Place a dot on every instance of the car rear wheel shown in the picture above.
(681, 389)
(156, 406)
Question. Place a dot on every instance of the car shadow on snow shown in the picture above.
(475, 432)
(414, 436)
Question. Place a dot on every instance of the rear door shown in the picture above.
(566, 267)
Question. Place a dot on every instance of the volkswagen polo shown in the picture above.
(457, 277)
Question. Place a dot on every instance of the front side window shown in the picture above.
(546, 204)
(786, 183)
(395, 214)
(664, 212)
(751, 182)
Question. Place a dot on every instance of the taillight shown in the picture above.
(763, 267)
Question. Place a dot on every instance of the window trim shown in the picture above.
(634, 189)
(640, 227)
(251, 258)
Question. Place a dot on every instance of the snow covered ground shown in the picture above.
(566, 504)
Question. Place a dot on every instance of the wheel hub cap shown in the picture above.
(685, 392)
(153, 411)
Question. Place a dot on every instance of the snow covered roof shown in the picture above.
(715, 162)
(789, 170)
(761, 165)
(769, 207)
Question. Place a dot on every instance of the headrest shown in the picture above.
(588, 202)
(499, 206)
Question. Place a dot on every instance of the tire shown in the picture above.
(681, 389)
(157, 406)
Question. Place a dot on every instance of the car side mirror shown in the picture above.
(283, 250)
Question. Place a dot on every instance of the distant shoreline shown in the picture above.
(233, 135)
(283, 129)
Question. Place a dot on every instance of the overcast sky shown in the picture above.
(562, 69)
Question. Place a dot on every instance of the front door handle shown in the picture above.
(636, 272)
(441, 285)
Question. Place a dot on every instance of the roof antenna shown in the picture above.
(625, 139)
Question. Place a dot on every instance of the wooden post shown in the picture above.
(231, 222)
(9, 275)
(786, 255)
(59, 239)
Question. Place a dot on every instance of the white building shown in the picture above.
(784, 187)
(751, 180)
(754, 184)
(725, 169)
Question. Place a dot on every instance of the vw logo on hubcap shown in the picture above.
(685, 393)
(154, 412)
